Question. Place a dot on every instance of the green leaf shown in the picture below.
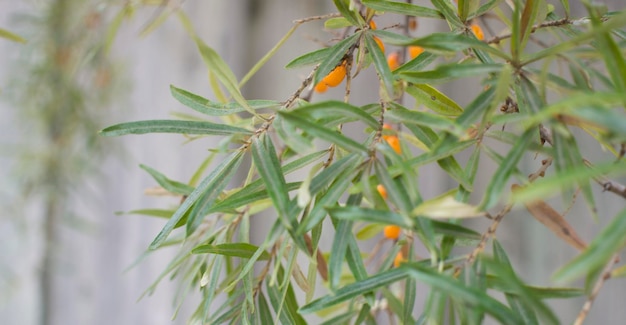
(268, 166)
(11, 36)
(160, 213)
(606, 244)
(612, 54)
(338, 252)
(334, 109)
(344, 8)
(211, 186)
(486, 7)
(468, 295)
(171, 126)
(402, 8)
(168, 184)
(324, 133)
(224, 74)
(355, 289)
(432, 98)
(211, 108)
(417, 64)
(243, 250)
(449, 43)
(497, 184)
(265, 314)
(405, 116)
(448, 12)
(334, 56)
(337, 23)
(546, 187)
(445, 73)
(380, 63)
(370, 215)
(310, 58)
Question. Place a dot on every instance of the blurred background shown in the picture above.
(67, 256)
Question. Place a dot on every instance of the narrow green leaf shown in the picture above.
(265, 314)
(486, 7)
(527, 20)
(445, 7)
(337, 23)
(211, 108)
(324, 133)
(380, 63)
(168, 184)
(449, 43)
(354, 213)
(171, 126)
(11, 36)
(310, 58)
(613, 55)
(432, 98)
(445, 73)
(402, 8)
(417, 64)
(334, 109)
(477, 108)
(355, 289)
(334, 56)
(469, 295)
(546, 187)
(338, 252)
(243, 250)
(222, 72)
(405, 116)
(210, 186)
(497, 184)
(160, 213)
(268, 166)
(344, 8)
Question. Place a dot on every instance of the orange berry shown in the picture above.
(399, 259)
(387, 126)
(335, 77)
(321, 87)
(414, 51)
(380, 44)
(394, 142)
(392, 232)
(478, 32)
(372, 24)
(393, 60)
(382, 191)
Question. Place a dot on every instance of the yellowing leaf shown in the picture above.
(445, 206)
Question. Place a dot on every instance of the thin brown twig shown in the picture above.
(608, 185)
(552, 23)
(307, 19)
(604, 276)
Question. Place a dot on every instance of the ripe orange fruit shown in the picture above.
(412, 23)
(392, 232)
(393, 60)
(414, 51)
(321, 87)
(394, 142)
(478, 32)
(399, 259)
(335, 77)
(382, 191)
(372, 24)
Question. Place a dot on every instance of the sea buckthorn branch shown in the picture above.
(320, 17)
(604, 276)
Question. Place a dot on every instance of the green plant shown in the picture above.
(371, 182)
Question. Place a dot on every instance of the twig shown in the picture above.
(608, 185)
(307, 19)
(606, 274)
(553, 23)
